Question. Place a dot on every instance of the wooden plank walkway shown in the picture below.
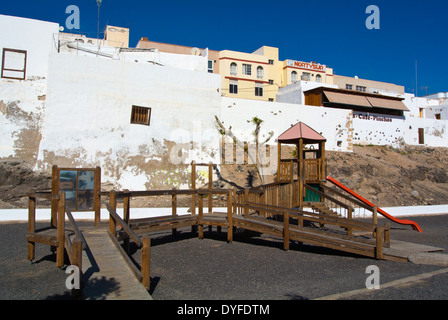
(105, 273)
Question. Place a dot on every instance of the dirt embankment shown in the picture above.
(388, 177)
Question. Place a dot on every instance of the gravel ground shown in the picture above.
(255, 268)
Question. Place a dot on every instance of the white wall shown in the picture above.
(334, 124)
(436, 134)
(87, 121)
(34, 36)
(396, 131)
(22, 103)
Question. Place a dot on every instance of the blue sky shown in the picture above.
(326, 31)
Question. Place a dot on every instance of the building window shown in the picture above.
(233, 69)
(438, 116)
(210, 66)
(141, 115)
(271, 81)
(319, 78)
(247, 69)
(349, 86)
(271, 62)
(293, 76)
(233, 86)
(260, 72)
(361, 88)
(306, 76)
(14, 64)
(258, 89)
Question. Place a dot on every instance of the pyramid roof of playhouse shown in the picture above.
(300, 131)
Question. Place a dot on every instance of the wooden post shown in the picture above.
(126, 218)
(174, 208)
(349, 217)
(387, 235)
(193, 187)
(323, 163)
(113, 205)
(60, 230)
(31, 226)
(379, 242)
(97, 195)
(54, 190)
(291, 171)
(210, 187)
(286, 230)
(279, 158)
(375, 215)
(146, 263)
(126, 208)
(291, 195)
(201, 208)
(246, 199)
(229, 216)
(77, 253)
(300, 158)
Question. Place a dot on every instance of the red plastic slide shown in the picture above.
(414, 225)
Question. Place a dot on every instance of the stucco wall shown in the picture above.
(87, 122)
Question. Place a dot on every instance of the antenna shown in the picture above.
(99, 3)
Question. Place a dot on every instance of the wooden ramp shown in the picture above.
(308, 235)
(401, 250)
(105, 273)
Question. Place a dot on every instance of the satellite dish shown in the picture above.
(61, 29)
(196, 51)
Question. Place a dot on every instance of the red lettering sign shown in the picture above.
(308, 66)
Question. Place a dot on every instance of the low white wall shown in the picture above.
(334, 124)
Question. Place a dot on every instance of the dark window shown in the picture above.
(14, 64)
(259, 90)
(233, 87)
(141, 115)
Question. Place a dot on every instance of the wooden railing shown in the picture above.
(284, 195)
(313, 170)
(56, 235)
(360, 209)
(144, 242)
(381, 232)
(142, 274)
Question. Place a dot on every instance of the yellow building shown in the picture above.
(294, 71)
(250, 75)
(260, 74)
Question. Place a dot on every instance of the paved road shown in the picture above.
(186, 268)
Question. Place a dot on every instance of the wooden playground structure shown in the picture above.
(303, 205)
